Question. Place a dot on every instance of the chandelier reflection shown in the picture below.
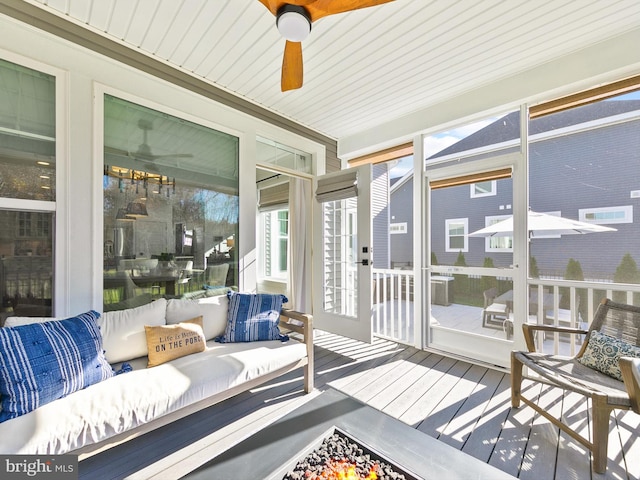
(149, 182)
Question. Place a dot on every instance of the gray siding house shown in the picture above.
(584, 164)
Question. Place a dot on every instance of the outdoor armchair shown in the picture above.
(494, 314)
(621, 325)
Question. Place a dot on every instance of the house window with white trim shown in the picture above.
(606, 215)
(497, 243)
(456, 230)
(483, 189)
(398, 228)
(274, 230)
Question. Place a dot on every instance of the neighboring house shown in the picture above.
(597, 142)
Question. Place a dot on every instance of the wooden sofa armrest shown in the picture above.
(630, 368)
(306, 329)
(530, 329)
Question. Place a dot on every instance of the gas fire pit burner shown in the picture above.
(342, 457)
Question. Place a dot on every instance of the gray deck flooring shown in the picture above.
(464, 405)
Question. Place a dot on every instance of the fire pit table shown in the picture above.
(275, 450)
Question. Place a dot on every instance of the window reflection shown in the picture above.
(27, 172)
(170, 207)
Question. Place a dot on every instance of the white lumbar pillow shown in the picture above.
(212, 309)
(123, 333)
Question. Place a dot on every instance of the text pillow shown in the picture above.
(168, 342)
(253, 317)
(42, 362)
(603, 353)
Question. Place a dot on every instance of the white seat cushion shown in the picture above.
(126, 401)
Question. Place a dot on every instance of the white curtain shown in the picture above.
(299, 222)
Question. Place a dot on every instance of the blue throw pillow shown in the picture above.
(603, 353)
(41, 362)
(253, 317)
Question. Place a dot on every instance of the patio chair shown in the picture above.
(620, 321)
(494, 314)
(184, 277)
(216, 275)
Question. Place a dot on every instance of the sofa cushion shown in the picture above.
(128, 401)
(168, 342)
(213, 311)
(42, 362)
(123, 331)
(133, 302)
(17, 321)
(603, 353)
(253, 317)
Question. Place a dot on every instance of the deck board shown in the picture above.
(464, 405)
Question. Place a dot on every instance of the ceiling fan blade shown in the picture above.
(272, 5)
(292, 66)
(323, 8)
(300, 3)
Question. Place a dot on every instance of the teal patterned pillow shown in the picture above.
(604, 351)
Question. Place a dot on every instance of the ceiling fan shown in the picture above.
(294, 19)
(144, 149)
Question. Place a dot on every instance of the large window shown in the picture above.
(170, 205)
(27, 190)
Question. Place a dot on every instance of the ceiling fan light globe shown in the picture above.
(293, 23)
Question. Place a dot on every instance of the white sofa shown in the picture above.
(133, 403)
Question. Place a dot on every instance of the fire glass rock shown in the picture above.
(337, 451)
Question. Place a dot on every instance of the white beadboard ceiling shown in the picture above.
(362, 68)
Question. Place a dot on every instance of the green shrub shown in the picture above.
(626, 272)
(533, 267)
(487, 282)
(573, 272)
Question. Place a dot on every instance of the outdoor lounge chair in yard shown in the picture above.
(612, 346)
(494, 314)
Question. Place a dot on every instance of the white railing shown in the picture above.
(392, 311)
(584, 297)
(393, 316)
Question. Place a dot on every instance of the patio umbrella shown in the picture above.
(541, 224)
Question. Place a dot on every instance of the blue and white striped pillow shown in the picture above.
(253, 317)
(42, 362)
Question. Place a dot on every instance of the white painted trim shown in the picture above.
(598, 64)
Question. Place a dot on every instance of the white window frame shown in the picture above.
(276, 274)
(474, 194)
(398, 228)
(488, 221)
(465, 235)
(626, 210)
(60, 301)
